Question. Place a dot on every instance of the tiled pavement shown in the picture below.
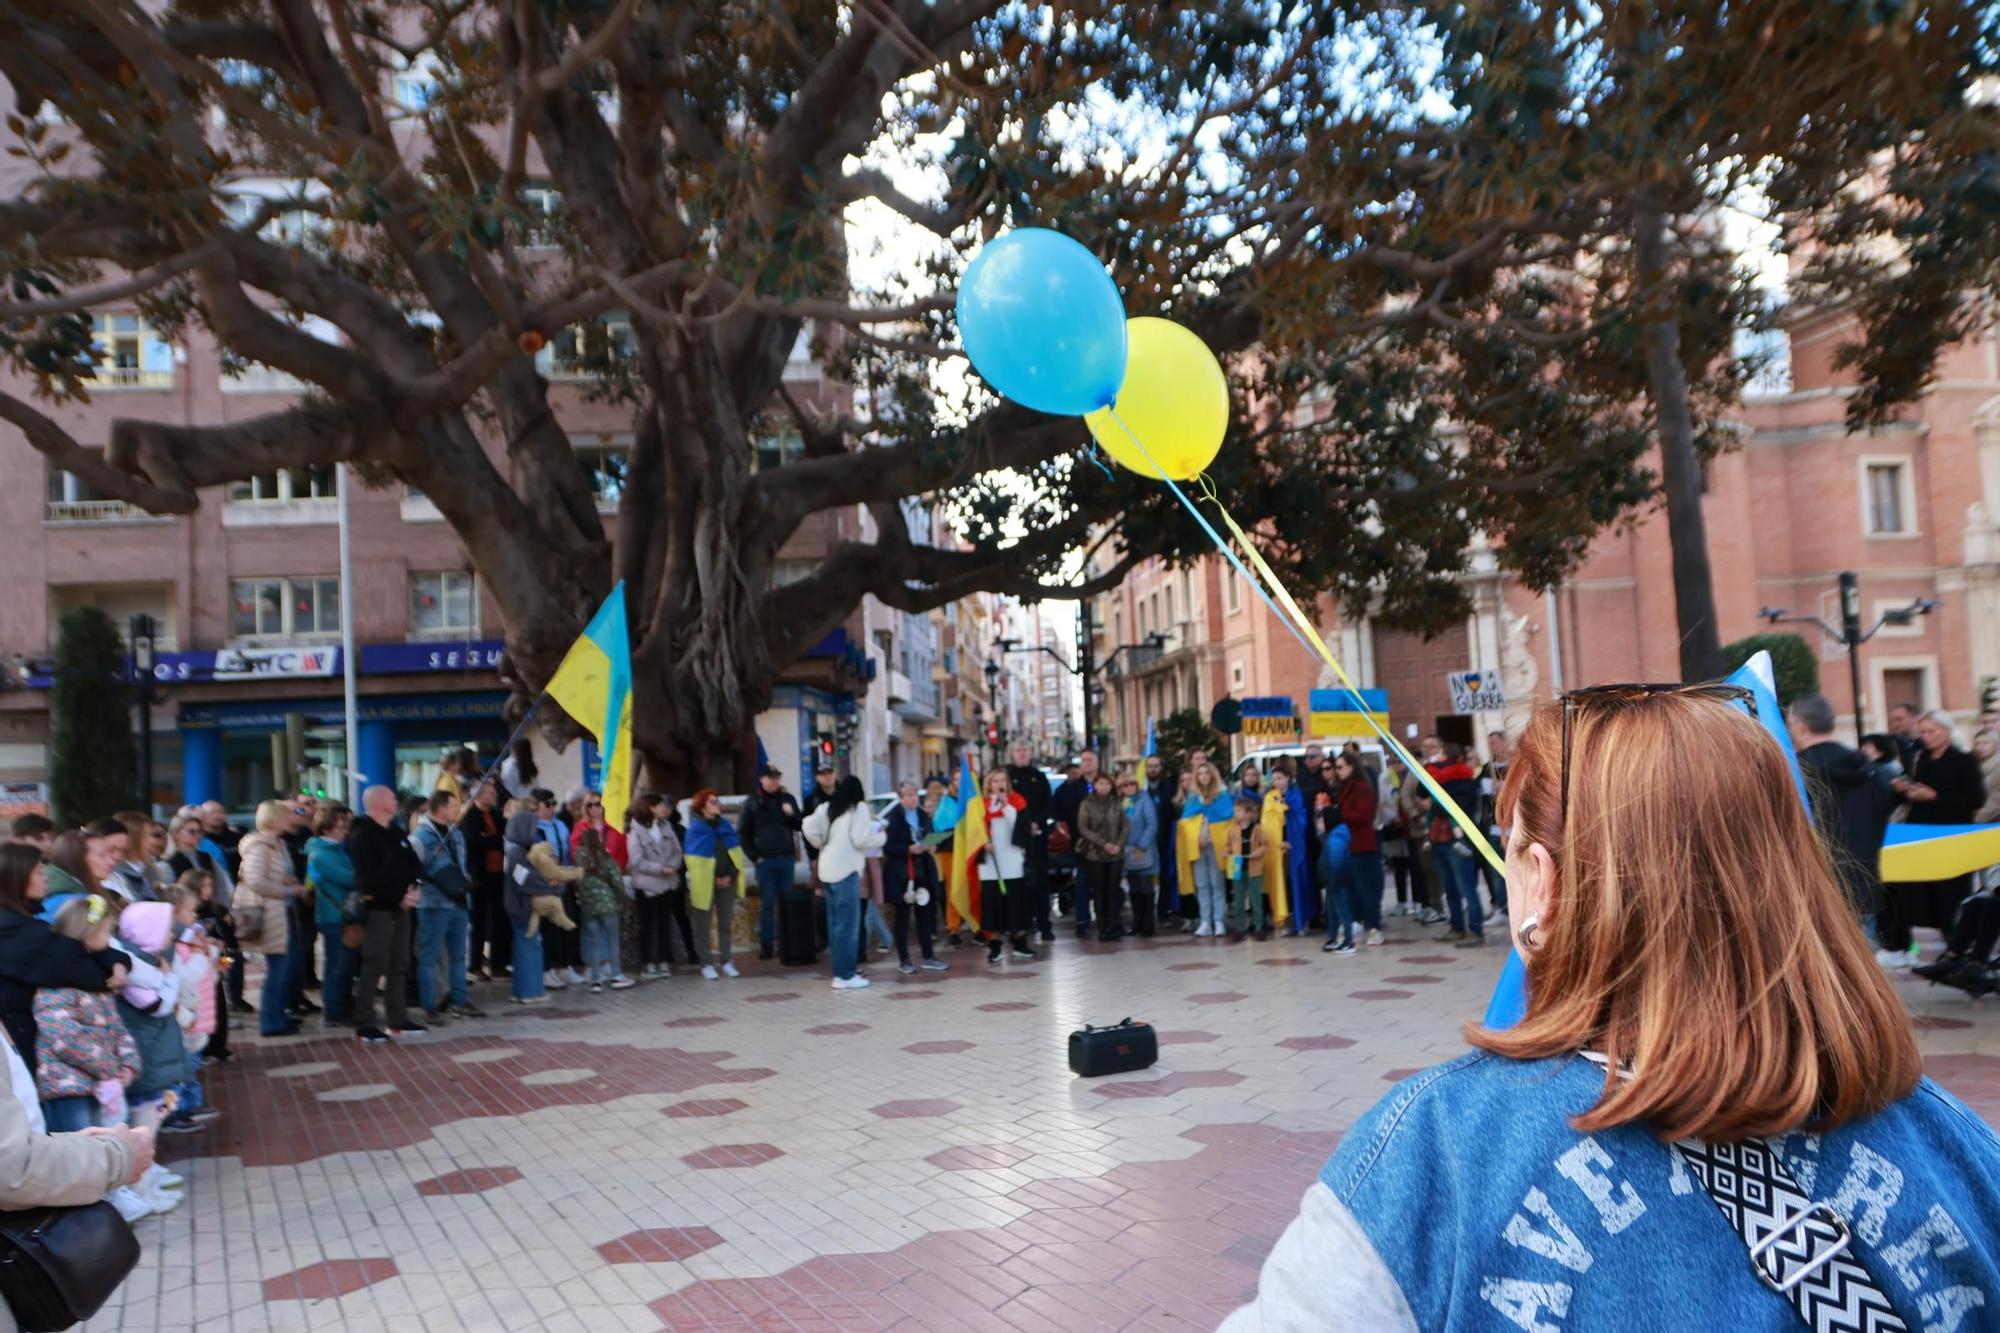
(768, 1153)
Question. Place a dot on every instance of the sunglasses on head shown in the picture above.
(1614, 697)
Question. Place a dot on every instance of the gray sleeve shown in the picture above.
(1324, 1276)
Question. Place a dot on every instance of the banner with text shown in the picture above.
(1346, 712)
(1270, 717)
(1476, 692)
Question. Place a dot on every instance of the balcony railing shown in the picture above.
(131, 377)
(95, 511)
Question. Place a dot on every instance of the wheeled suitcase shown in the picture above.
(1113, 1050)
(798, 944)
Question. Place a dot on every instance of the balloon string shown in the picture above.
(1301, 628)
(1090, 451)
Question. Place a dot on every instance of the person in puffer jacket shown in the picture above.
(146, 1004)
(531, 895)
(82, 1050)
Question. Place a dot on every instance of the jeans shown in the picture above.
(1496, 883)
(271, 1015)
(1335, 867)
(492, 937)
(1461, 882)
(600, 947)
(527, 983)
(873, 924)
(1210, 897)
(441, 936)
(1363, 886)
(714, 949)
(299, 957)
(66, 1115)
(336, 992)
(385, 962)
(1248, 905)
(843, 926)
(775, 875)
(1106, 896)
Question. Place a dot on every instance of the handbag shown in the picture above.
(58, 1266)
(248, 909)
(1800, 1249)
(449, 880)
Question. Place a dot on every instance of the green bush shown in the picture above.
(1792, 662)
(94, 761)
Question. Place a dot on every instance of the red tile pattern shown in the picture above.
(328, 1279)
(1379, 994)
(914, 994)
(1171, 1084)
(695, 1021)
(1973, 1079)
(1005, 1006)
(726, 1156)
(1192, 967)
(700, 1107)
(938, 1047)
(1398, 1075)
(659, 1245)
(1186, 1037)
(472, 1180)
(1322, 1043)
(1218, 997)
(836, 1029)
(1421, 959)
(1413, 979)
(1284, 962)
(774, 997)
(1938, 1023)
(979, 1157)
(915, 1108)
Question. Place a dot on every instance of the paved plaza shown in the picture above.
(769, 1154)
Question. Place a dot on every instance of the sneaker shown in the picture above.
(160, 1200)
(1202, 929)
(850, 983)
(1496, 915)
(709, 972)
(729, 970)
(528, 1001)
(1374, 939)
(435, 1017)
(204, 1115)
(302, 1007)
(933, 965)
(239, 1007)
(179, 1123)
(1021, 953)
(1892, 959)
(1346, 950)
(372, 1036)
(129, 1204)
(1452, 937)
(409, 1030)
(765, 953)
(553, 980)
(479, 974)
(574, 977)
(621, 982)
(1048, 937)
(993, 952)
(160, 1176)
(467, 1011)
(597, 988)
(907, 969)
(1471, 942)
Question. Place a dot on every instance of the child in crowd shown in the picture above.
(146, 1005)
(1246, 871)
(195, 959)
(600, 896)
(219, 928)
(84, 1056)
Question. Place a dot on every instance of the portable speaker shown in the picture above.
(1113, 1050)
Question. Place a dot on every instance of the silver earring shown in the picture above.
(1528, 939)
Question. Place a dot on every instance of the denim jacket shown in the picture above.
(436, 847)
(1142, 834)
(1465, 1203)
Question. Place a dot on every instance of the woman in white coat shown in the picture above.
(845, 832)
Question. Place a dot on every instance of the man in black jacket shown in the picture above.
(767, 827)
(492, 947)
(1063, 807)
(386, 872)
(1032, 786)
(1851, 802)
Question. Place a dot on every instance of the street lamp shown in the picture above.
(1849, 632)
(143, 631)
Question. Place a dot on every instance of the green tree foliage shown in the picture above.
(1793, 664)
(94, 761)
(1177, 734)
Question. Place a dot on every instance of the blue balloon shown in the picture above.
(1043, 322)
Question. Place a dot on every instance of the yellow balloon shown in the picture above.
(1174, 403)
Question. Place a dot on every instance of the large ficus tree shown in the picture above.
(1266, 173)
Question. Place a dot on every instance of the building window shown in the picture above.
(779, 445)
(320, 481)
(1235, 675)
(300, 227)
(445, 603)
(72, 499)
(589, 350)
(293, 608)
(1887, 502)
(543, 206)
(130, 355)
(1232, 596)
(604, 465)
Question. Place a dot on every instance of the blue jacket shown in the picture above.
(1465, 1203)
(436, 848)
(1142, 833)
(331, 871)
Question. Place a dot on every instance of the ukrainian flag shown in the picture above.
(1152, 748)
(968, 839)
(594, 686)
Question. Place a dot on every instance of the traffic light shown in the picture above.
(992, 733)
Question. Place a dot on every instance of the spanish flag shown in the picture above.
(967, 840)
(594, 686)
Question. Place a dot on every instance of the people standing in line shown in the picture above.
(822, 791)
(491, 948)
(910, 878)
(1142, 850)
(600, 894)
(844, 831)
(1006, 867)
(1300, 891)
(1880, 749)
(527, 854)
(654, 857)
(712, 846)
(1413, 806)
(300, 975)
(1166, 814)
(951, 807)
(1065, 803)
(1851, 803)
(1736, 1058)
(1210, 810)
(1492, 775)
(1274, 814)
(1250, 854)
(157, 871)
(453, 769)
(769, 826)
(1354, 799)
(1031, 885)
(84, 1056)
(386, 873)
(1101, 833)
(265, 891)
(337, 910)
(1457, 860)
(1941, 785)
(130, 875)
(517, 771)
(186, 835)
(443, 912)
(33, 956)
(37, 830)
(1905, 728)
(221, 842)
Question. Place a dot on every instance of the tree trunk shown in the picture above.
(1680, 470)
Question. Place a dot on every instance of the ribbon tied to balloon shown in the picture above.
(1043, 323)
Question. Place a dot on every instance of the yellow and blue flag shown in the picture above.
(968, 838)
(1152, 748)
(594, 686)
(706, 843)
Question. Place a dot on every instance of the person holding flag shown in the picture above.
(594, 686)
(1000, 829)
(958, 867)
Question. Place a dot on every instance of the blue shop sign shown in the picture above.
(398, 659)
(316, 661)
(270, 715)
